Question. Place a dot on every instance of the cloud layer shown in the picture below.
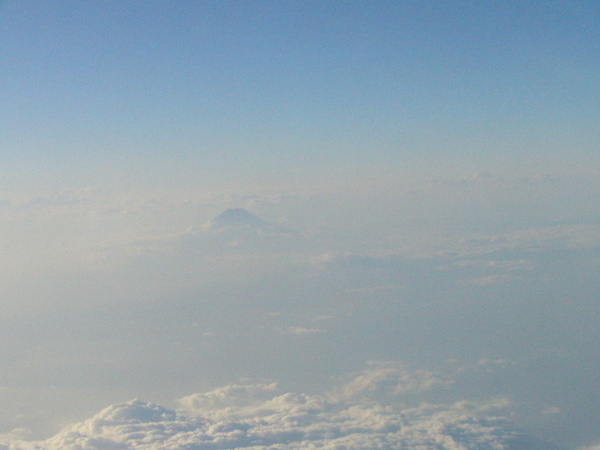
(260, 416)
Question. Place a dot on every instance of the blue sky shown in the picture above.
(272, 87)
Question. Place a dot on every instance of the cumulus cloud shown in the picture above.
(261, 416)
(384, 379)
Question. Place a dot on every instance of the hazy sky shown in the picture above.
(425, 270)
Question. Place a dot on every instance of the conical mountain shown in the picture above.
(238, 218)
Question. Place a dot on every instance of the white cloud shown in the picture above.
(299, 331)
(543, 237)
(260, 416)
(384, 379)
(487, 280)
(387, 287)
(551, 410)
(519, 264)
(321, 318)
(16, 434)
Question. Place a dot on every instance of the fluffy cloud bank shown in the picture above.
(260, 416)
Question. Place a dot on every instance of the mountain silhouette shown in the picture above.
(238, 218)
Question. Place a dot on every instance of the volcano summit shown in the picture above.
(238, 218)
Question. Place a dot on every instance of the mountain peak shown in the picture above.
(237, 217)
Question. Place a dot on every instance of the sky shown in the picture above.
(416, 262)
(294, 87)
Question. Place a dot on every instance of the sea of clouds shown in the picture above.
(353, 415)
(108, 297)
